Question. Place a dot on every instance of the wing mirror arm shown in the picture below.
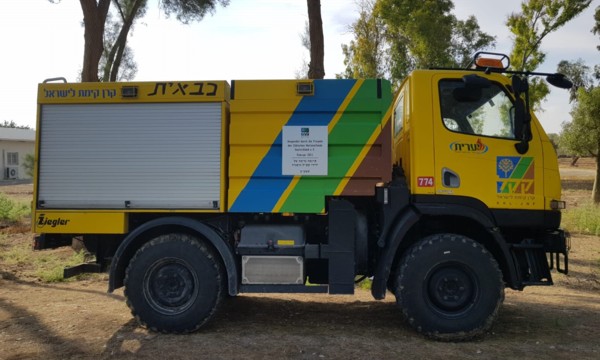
(522, 114)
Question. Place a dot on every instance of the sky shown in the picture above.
(249, 39)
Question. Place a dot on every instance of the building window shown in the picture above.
(12, 158)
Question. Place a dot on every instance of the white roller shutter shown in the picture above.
(164, 156)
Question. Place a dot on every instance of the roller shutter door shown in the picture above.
(113, 156)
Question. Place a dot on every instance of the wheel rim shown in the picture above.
(170, 286)
(452, 289)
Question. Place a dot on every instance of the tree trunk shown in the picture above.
(596, 188)
(113, 61)
(316, 68)
(574, 160)
(94, 17)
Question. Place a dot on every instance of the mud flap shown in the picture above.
(558, 243)
(342, 224)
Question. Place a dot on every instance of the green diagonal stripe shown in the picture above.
(522, 167)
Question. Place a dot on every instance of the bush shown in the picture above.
(47, 265)
(50, 268)
(12, 211)
(28, 164)
(583, 219)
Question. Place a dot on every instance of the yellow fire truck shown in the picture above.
(188, 191)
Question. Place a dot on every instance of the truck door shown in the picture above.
(474, 140)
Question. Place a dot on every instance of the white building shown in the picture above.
(15, 144)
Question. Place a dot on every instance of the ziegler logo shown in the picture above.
(43, 221)
(477, 147)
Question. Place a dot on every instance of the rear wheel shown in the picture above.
(449, 287)
(174, 284)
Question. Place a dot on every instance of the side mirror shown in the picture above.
(476, 81)
(559, 80)
(472, 89)
(467, 94)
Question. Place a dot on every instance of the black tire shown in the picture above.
(174, 284)
(449, 287)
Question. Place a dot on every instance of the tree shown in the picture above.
(467, 38)
(554, 139)
(596, 28)
(409, 39)
(13, 125)
(116, 50)
(28, 164)
(414, 42)
(366, 56)
(579, 74)
(316, 68)
(582, 134)
(537, 19)
(95, 15)
(302, 73)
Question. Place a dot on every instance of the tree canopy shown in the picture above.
(579, 74)
(13, 125)
(537, 19)
(366, 56)
(393, 37)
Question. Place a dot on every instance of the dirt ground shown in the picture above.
(80, 320)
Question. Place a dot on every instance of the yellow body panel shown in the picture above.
(421, 142)
(80, 222)
(552, 186)
(158, 91)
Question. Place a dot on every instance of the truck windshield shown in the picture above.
(478, 111)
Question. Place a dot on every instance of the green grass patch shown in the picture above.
(11, 210)
(16, 255)
(47, 265)
(584, 219)
(50, 268)
(365, 284)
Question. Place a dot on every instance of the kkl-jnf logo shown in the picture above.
(515, 175)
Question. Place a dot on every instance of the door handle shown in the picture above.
(450, 179)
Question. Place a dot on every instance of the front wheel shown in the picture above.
(449, 287)
(174, 284)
